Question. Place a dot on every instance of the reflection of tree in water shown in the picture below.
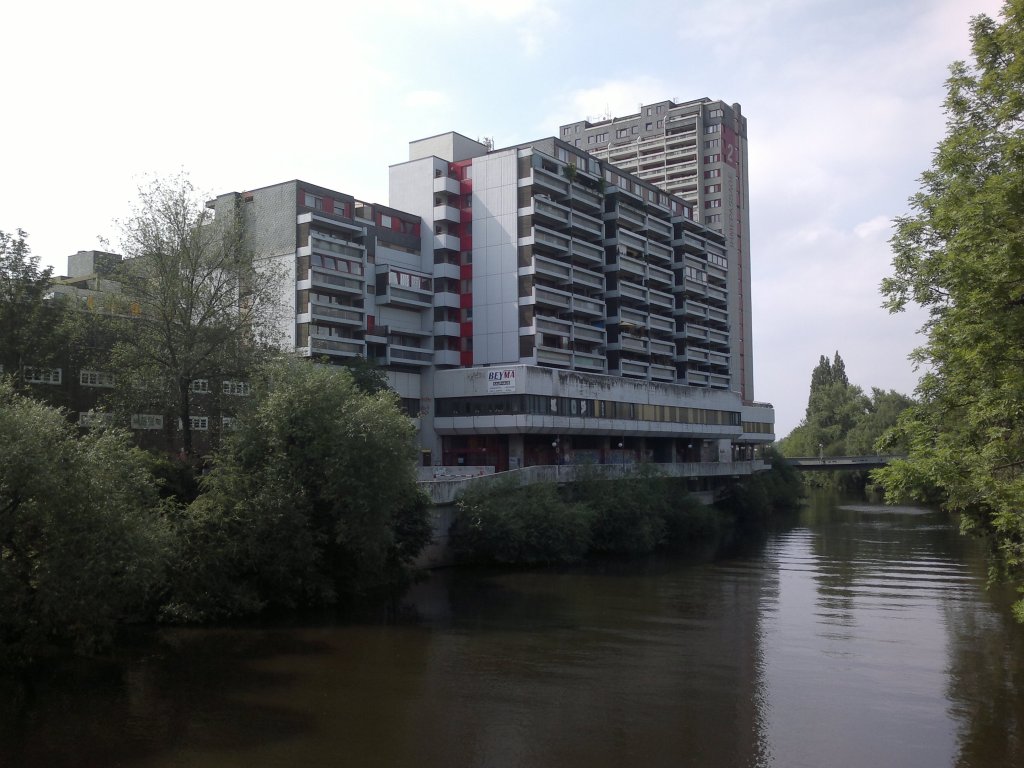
(986, 678)
(117, 712)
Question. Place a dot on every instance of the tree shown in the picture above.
(960, 254)
(82, 544)
(203, 307)
(313, 498)
(27, 320)
(834, 407)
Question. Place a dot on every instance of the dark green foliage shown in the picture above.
(597, 516)
(314, 498)
(960, 254)
(508, 524)
(28, 323)
(82, 541)
(778, 490)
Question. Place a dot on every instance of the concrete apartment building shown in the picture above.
(531, 305)
(696, 150)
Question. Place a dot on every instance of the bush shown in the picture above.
(83, 542)
(508, 524)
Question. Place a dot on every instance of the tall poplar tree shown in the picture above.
(960, 254)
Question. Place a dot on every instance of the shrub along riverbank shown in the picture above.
(596, 516)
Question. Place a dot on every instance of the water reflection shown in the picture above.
(854, 636)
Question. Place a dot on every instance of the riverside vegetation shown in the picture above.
(599, 517)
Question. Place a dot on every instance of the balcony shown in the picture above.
(446, 242)
(696, 378)
(587, 307)
(661, 252)
(552, 214)
(587, 278)
(635, 267)
(446, 213)
(631, 240)
(660, 323)
(549, 240)
(659, 278)
(663, 348)
(631, 344)
(550, 182)
(402, 355)
(552, 325)
(558, 358)
(446, 328)
(333, 348)
(593, 363)
(588, 225)
(587, 253)
(560, 273)
(447, 299)
(588, 199)
(450, 271)
(664, 373)
(446, 184)
(332, 281)
(443, 357)
(588, 333)
(631, 292)
(552, 298)
(336, 315)
(633, 368)
(718, 381)
(661, 300)
(631, 215)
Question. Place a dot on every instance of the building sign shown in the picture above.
(501, 380)
(730, 147)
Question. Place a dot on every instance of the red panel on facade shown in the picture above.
(328, 205)
(370, 322)
(466, 301)
(465, 271)
(466, 216)
(466, 358)
(730, 146)
(466, 330)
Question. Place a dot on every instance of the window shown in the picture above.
(313, 201)
(199, 386)
(713, 128)
(42, 375)
(621, 132)
(590, 139)
(661, 123)
(712, 144)
(227, 423)
(147, 421)
(710, 189)
(385, 221)
(714, 218)
(715, 113)
(95, 379)
(636, 129)
(240, 388)
(93, 419)
(714, 173)
(197, 423)
(712, 158)
(649, 126)
(716, 203)
(565, 131)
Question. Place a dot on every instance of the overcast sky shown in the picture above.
(843, 100)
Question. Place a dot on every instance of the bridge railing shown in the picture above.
(445, 490)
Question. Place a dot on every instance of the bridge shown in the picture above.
(812, 463)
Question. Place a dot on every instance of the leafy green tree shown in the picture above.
(202, 307)
(960, 254)
(313, 498)
(520, 526)
(28, 322)
(834, 408)
(82, 544)
(883, 412)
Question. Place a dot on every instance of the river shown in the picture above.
(849, 635)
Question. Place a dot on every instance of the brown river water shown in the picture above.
(851, 635)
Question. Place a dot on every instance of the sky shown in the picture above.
(843, 100)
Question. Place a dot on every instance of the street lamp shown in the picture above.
(554, 444)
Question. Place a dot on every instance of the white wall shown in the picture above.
(495, 259)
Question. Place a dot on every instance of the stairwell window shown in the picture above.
(34, 375)
(238, 388)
